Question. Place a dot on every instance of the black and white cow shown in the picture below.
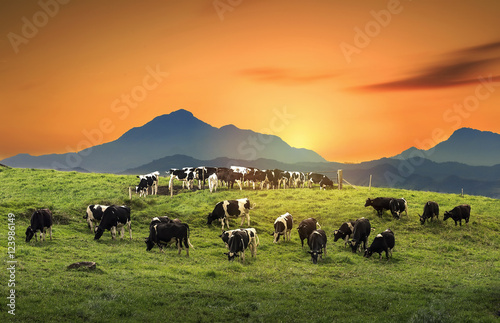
(360, 234)
(322, 180)
(186, 175)
(41, 220)
(398, 206)
(431, 209)
(202, 174)
(379, 204)
(253, 238)
(459, 213)
(223, 210)
(147, 181)
(113, 218)
(384, 241)
(306, 227)
(237, 244)
(317, 244)
(162, 234)
(283, 227)
(94, 215)
(344, 232)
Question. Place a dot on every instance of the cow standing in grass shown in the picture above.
(459, 213)
(223, 210)
(113, 218)
(317, 243)
(283, 227)
(383, 242)
(431, 209)
(94, 215)
(344, 232)
(306, 227)
(360, 234)
(41, 220)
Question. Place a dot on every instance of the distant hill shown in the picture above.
(176, 133)
(465, 145)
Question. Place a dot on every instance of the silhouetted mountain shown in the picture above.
(465, 145)
(176, 133)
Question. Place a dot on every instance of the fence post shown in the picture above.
(370, 185)
(339, 178)
(129, 192)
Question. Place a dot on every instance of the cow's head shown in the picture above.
(224, 236)
(422, 219)
(209, 218)
(231, 255)
(447, 215)
(368, 253)
(29, 234)
(337, 234)
(149, 244)
(314, 255)
(354, 245)
(368, 202)
(98, 233)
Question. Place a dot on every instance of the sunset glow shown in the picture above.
(353, 81)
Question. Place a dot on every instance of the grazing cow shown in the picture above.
(297, 179)
(213, 182)
(113, 218)
(94, 215)
(237, 244)
(379, 204)
(397, 206)
(223, 175)
(322, 180)
(317, 244)
(186, 175)
(223, 210)
(235, 177)
(41, 220)
(283, 227)
(344, 232)
(147, 181)
(383, 242)
(431, 209)
(162, 233)
(202, 173)
(360, 234)
(459, 213)
(306, 227)
(252, 234)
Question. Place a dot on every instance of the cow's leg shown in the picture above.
(130, 229)
(179, 245)
(50, 233)
(113, 232)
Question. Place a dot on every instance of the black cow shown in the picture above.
(379, 204)
(147, 181)
(94, 215)
(223, 210)
(344, 232)
(283, 227)
(360, 234)
(397, 206)
(186, 175)
(383, 242)
(41, 220)
(459, 213)
(114, 217)
(202, 174)
(317, 244)
(237, 244)
(431, 209)
(223, 174)
(162, 233)
(306, 227)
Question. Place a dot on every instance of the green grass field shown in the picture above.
(439, 272)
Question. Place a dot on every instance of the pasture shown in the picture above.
(439, 272)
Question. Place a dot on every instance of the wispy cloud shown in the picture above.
(467, 64)
(284, 76)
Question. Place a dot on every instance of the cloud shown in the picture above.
(468, 64)
(284, 76)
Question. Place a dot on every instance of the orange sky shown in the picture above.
(352, 80)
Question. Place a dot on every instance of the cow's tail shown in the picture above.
(189, 242)
(253, 206)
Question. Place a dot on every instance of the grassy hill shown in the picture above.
(438, 272)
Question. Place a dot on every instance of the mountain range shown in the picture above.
(469, 159)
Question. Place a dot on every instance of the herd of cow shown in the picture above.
(215, 176)
(164, 231)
